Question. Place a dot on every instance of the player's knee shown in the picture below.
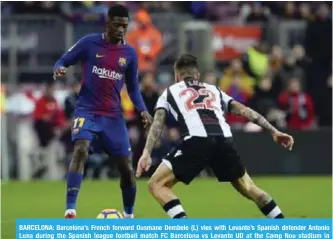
(246, 191)
(162, 178)
(245, 186)
(126, 171)
(127, 178)
(81, 151)
(154, 186)
(125, 167)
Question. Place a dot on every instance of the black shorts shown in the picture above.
(191, 156)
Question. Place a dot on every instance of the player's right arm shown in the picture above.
(161, 110)
(235, 107)
(155, 130)
(71, 57)
(154, 134)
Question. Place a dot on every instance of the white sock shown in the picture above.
(70, 211)
(128, 215)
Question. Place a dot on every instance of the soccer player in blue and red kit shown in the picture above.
(107, 62)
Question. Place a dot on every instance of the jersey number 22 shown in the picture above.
(207, 102)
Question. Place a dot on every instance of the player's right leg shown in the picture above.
(75, 175)
(83, 133)
(246, 187)
(182, 164)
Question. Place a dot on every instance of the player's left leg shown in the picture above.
(127, 184)
(228, 167)
(116, 142)
(246, 187)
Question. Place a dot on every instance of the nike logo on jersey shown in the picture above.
(99, 56)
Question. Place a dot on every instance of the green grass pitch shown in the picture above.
(205, 198)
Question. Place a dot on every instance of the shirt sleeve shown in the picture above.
(226, 100)
(73, 55)
(132, 84)
(162, 102)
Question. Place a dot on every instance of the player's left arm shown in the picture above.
(132, 84)
(235, 107)
(133, 89)
(285, 140)
(253, 116)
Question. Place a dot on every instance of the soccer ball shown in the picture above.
(109, 214)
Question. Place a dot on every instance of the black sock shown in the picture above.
(271, 210)
(174, 209)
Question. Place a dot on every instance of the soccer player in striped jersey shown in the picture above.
(107, 63)
(206, 141)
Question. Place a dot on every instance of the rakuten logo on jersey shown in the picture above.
(106, 74)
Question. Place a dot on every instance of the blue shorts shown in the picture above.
(103, 132)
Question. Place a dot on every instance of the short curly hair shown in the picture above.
(118, 10)
(186, 64)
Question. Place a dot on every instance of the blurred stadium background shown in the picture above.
(274, 56)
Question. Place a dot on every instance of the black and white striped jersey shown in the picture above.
(197, 107)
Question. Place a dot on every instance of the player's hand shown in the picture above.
(59, 72)
(147, 119)
(144, 163)
(286, 140)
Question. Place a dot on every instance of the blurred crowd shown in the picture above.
(213, 11)
(280, 87)
(292, 90)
